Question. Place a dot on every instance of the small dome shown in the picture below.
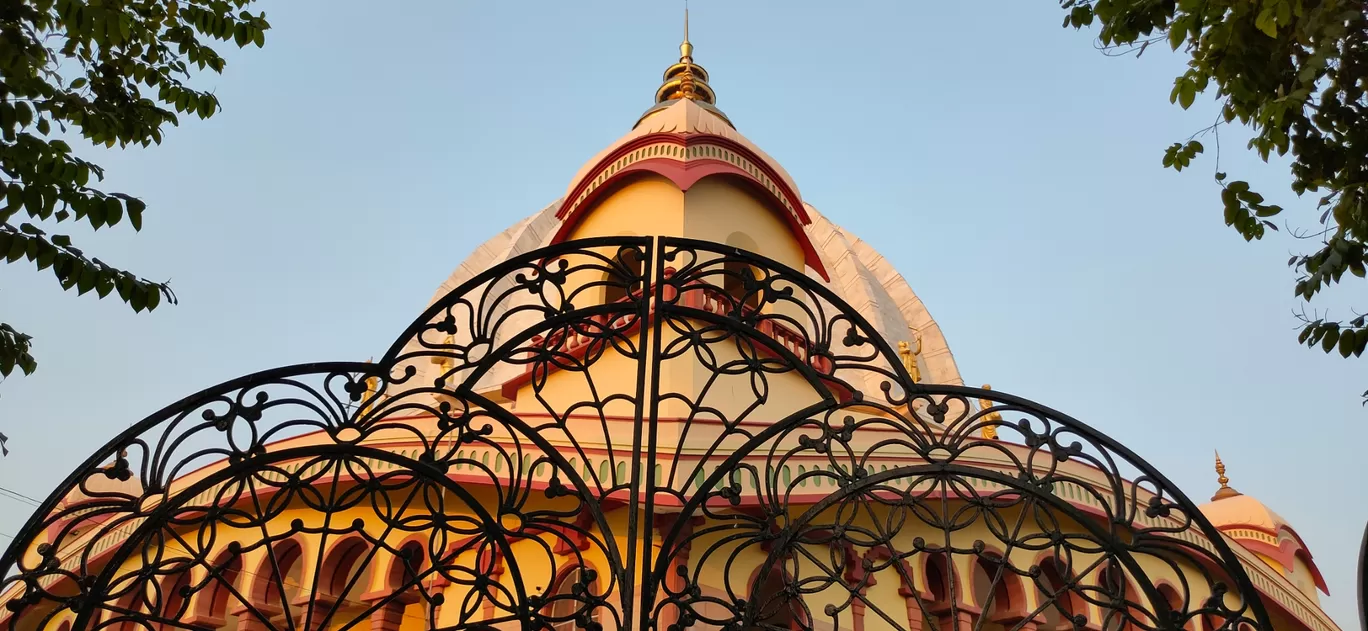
(1255, 526)
(684, 117)
(1242, 510)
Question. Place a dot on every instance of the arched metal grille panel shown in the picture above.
(620, 433)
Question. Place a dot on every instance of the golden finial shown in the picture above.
(685, 48)
(685, 79)
(687, 88)
(1225, 490)
(989, 431)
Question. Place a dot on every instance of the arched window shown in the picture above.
(217, 598)
(346, 575)
(125, 603)
(627, 274)
(286, 555)
(568, 596)
(1115, 588)
(174, 589)
(938, 587)
(993, 585)
(774, 606)
(1176, 606)
(739, 278)
(1061, 600)
(407, 567)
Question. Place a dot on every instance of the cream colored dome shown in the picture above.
(860, 276)
(1242, 510)
(685, 117)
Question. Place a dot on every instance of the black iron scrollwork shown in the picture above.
(620, 433)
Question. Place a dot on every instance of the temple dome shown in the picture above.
(683, 117)
(1265, 533)
(685, 140)
(1243, 510)
(859, 275)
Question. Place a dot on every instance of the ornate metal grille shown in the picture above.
(620, 433)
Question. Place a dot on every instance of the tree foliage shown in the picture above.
(1294, 72)
(112, 72)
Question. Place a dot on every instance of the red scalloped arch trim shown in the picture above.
(686, 173)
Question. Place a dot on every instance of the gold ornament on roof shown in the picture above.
(1225, 490)
(909, 355)
(685, 79)
(989, 431)
(444, 362)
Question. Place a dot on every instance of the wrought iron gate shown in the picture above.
(620, 433)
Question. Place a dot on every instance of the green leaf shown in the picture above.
(1187, 95)
(1177, 32)
(23, 113)
(135, 210)
(137, 298)
(103, 285)
(46, 257)
(113, 211)
(1346, 344)
(1267, 21)
(1332, 336)
(33, 200)
(17, 246)
(86, 281)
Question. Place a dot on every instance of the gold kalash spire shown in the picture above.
(686, 80)
(1225, 490)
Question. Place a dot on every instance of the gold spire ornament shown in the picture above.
(989, 431)
(685, 48)
(685, 79)
(1225, 490)
(909, 356)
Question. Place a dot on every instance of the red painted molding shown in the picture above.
(686, 173)
(1285, 552)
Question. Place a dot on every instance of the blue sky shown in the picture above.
(1009, 170)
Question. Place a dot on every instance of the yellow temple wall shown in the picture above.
(718, 208)
(720, 567)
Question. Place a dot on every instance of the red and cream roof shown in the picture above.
(858, 274)
(686, 140)
(1256, 527)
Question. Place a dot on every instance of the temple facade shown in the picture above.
(677, 397)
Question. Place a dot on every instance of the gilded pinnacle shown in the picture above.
(1225, 490)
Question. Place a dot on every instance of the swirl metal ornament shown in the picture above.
(620, 433)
